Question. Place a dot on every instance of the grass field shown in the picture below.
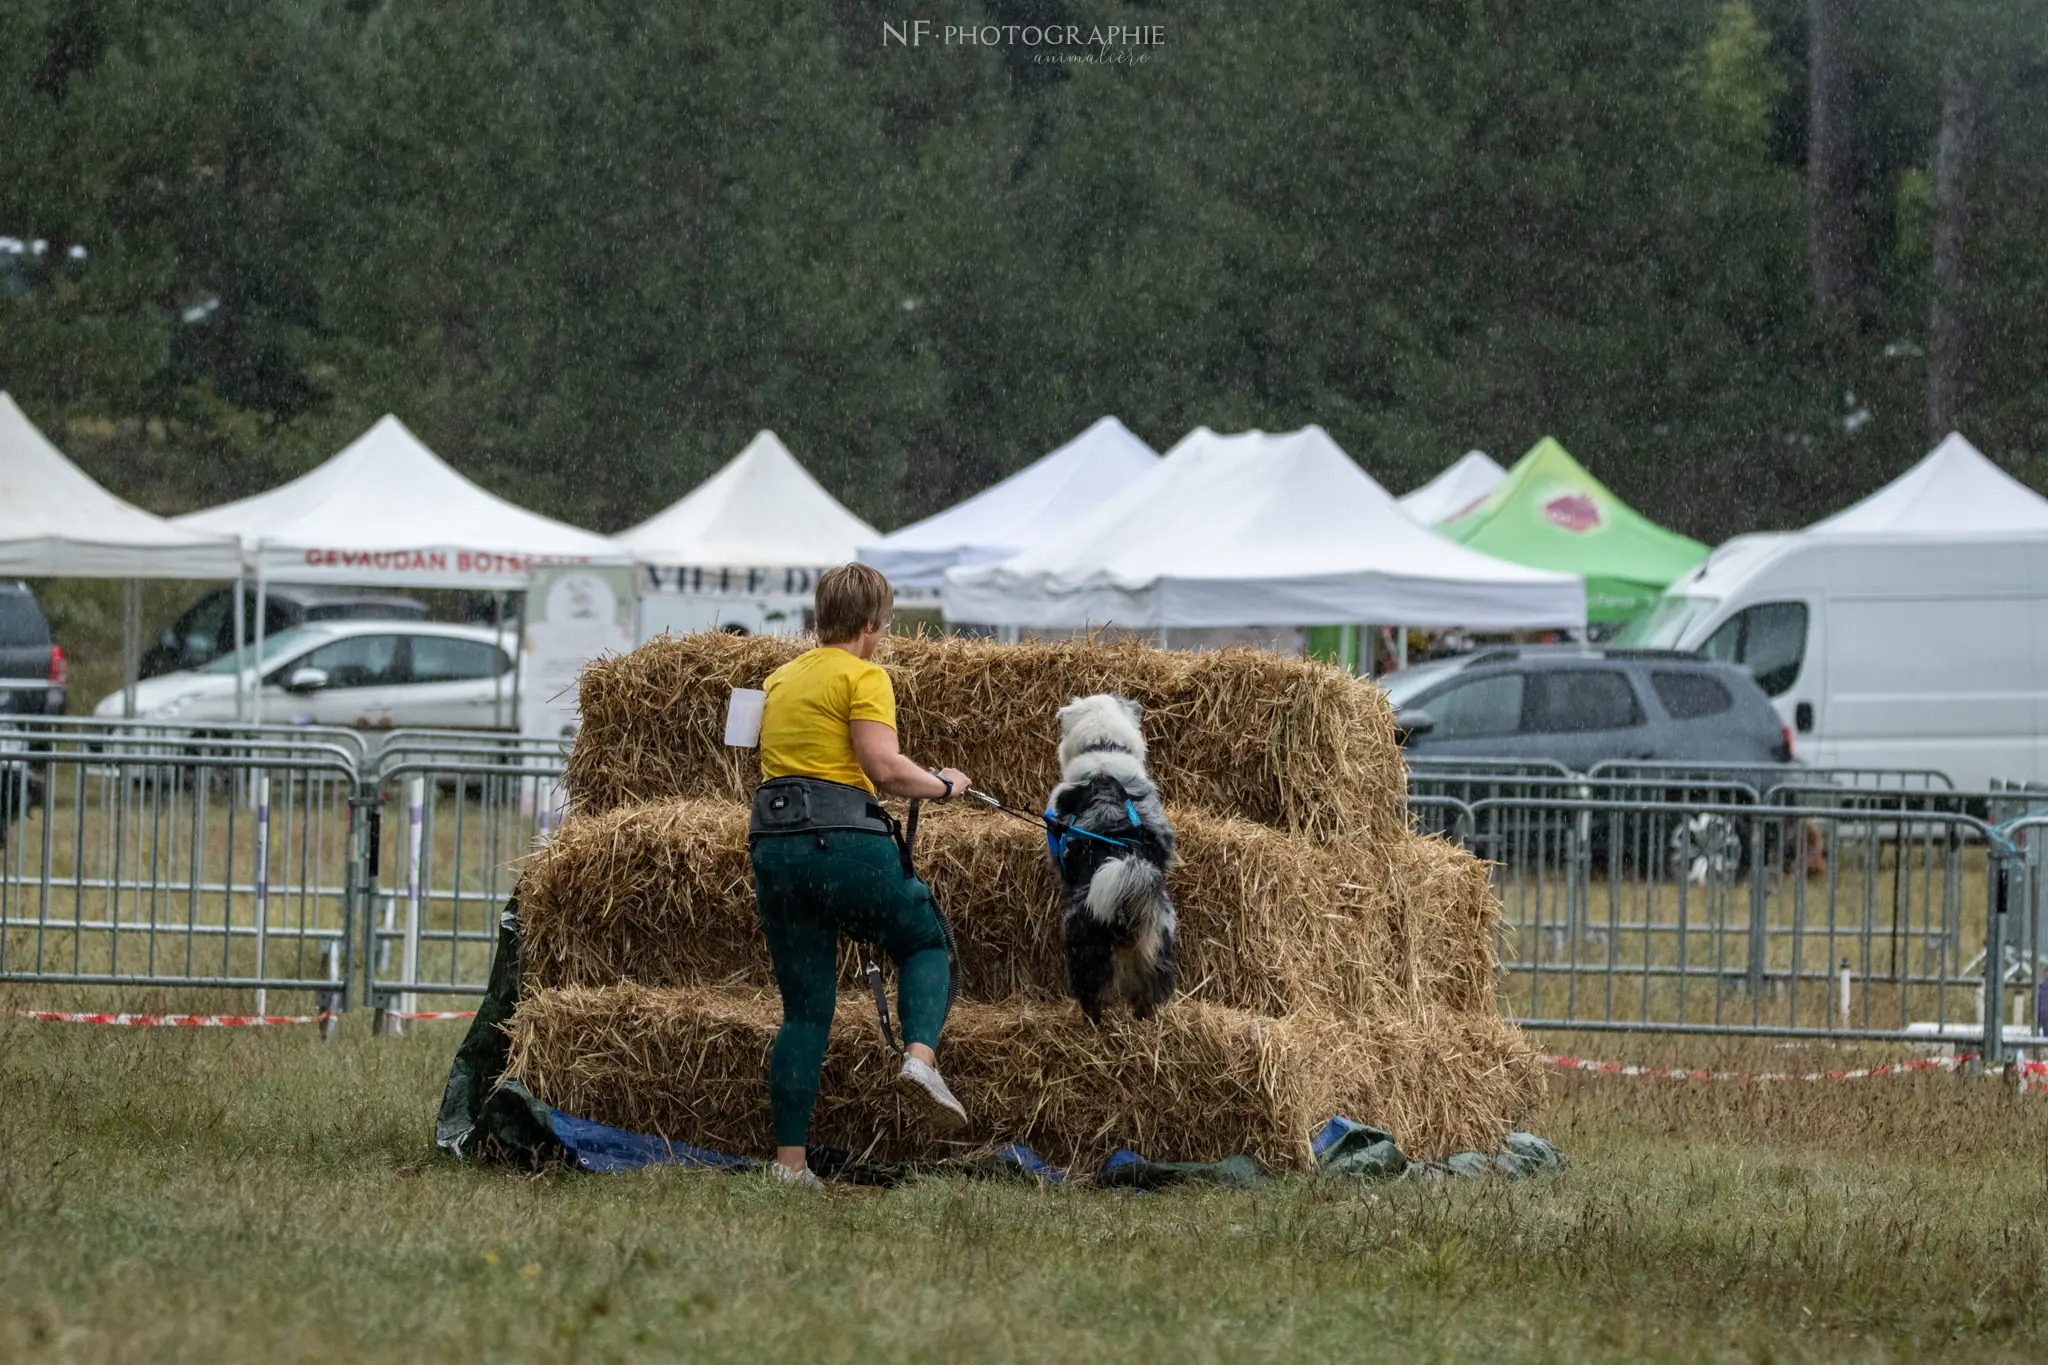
(249, 1196)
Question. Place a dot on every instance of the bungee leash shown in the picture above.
(1052, 823)
(905, 834)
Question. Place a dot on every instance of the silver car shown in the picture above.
(369, 674)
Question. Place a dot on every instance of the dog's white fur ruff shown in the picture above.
(1088, 727)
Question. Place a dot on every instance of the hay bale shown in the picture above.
(662, 895)
(1285, 742)
(1447, 898)
(1196, 1083)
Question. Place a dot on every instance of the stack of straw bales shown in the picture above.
(1332, 960)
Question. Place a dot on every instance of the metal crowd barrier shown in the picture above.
(1731, 917)
(1766, 776)
(1837, 904)
(125, 863)
(169, 739)
(454, 826)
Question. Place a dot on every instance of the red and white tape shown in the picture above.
(175, 1020)
(2025, 1070)
(430, 1014)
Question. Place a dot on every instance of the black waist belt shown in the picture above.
(817, 805)
(814, 805)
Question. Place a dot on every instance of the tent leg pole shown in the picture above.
(1401, 649)
(498, 675)
(518, 656)
(262, 611)
(241, 626)
(131, 643)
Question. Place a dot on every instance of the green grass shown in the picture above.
(253, 1196)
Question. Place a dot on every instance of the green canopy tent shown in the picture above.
(1549, 513)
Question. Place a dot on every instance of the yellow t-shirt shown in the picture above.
(806, 726)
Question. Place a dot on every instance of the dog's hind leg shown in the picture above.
(1164, 977)
(1091, 960)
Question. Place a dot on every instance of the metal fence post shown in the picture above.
(1994, 952)
(408, 1001)
(1759, 914)
(262, 889)
(370, 800)
(361, 884)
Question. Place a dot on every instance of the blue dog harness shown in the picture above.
(1057, 830)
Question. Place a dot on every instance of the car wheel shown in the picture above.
(1707, 849)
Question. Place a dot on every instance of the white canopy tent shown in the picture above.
(388, 511)
(1953, 491)
(744, 548)
(762, 513)
(55, 522)
(1032, 506)
(1255, 529)
(1458, 489)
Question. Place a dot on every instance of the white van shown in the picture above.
(1910, 631)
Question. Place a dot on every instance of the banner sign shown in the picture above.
(698, 580)
(573, 614)
(421, 567)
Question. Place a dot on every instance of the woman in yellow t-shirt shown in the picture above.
(824, 861)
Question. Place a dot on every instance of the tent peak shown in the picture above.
(386, 509)
(1456, 490)
(762, 509)
(55, 520)
(1954, 489)
(1550, 512)
(1256, 528)
(1036, 503)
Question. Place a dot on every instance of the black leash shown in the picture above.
(905, 835)
(874, 975)
(1048, 820)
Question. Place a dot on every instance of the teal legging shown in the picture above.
(807, 888)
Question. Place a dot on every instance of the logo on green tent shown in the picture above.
(1573, 511)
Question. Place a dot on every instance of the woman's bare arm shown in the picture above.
(874, 744)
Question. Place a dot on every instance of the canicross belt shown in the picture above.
(814, 805)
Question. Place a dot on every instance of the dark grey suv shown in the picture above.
(1583, 706)
(33, 671)
(1496, 713)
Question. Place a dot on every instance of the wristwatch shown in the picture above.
(947, 780)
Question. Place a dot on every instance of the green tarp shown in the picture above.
(1549, 513)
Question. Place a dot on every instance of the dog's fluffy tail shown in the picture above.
(1125, 894)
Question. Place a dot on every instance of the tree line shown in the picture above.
(1745, 259)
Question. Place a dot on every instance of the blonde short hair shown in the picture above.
(850, 598)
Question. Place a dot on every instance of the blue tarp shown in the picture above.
(1342, 1147)
(600, 1147)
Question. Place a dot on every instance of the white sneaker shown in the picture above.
(802, 1179)
(921, 1083)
